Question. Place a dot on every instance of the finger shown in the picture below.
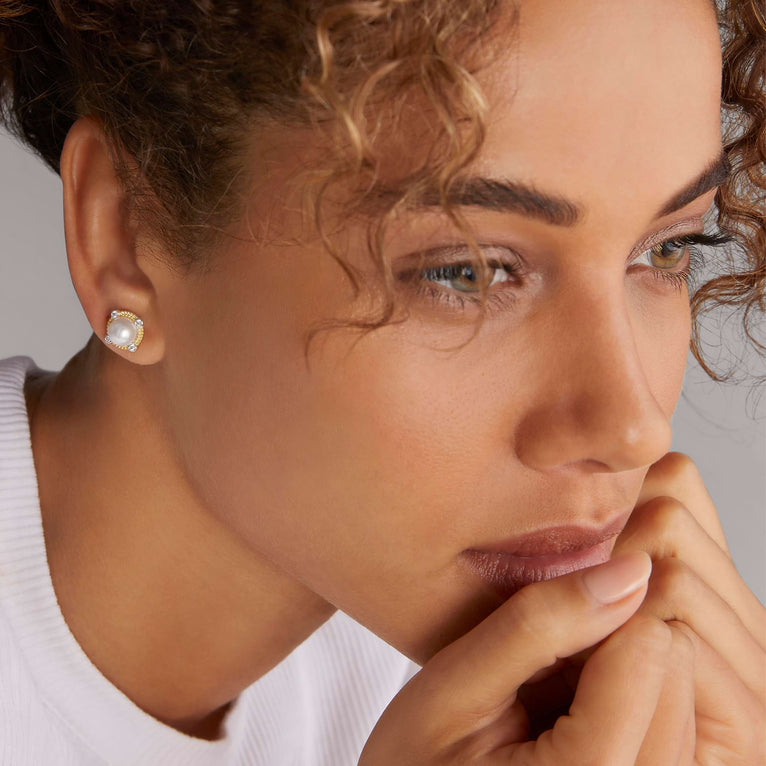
(669, 739)
(664, 528)
(675, 474)
(676, 593)
(475, 678)
(730, 720)
(614, 704)
(689, 742)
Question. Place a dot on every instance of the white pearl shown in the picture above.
(122, 331)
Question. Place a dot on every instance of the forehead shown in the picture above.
(605, 100)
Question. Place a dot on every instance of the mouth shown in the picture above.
(542, 555)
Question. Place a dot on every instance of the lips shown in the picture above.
(511, 564)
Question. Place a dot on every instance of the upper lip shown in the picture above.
(557, 540)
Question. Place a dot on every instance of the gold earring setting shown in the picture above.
(124, 330)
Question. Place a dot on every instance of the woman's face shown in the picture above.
(366, 474)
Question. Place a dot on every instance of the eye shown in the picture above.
(664, 257)
(448, 282)
(456, 283)
(464, 276)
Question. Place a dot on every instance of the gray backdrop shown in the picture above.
(41, 316)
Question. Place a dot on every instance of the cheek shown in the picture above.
(349, 467)
(662, 329)
(357, 480)
(403, 420)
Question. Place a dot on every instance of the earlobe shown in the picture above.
(124, 330)
(100, 240)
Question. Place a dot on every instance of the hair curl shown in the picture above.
(180, 87)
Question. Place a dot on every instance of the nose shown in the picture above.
(593, 405)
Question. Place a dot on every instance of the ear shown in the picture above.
(101, 242)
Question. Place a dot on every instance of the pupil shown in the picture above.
(667, 249)
(461, 273)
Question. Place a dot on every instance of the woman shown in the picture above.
(391, 303)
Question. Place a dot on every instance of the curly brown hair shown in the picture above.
(179, 89)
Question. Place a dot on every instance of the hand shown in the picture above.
(463, 706)
(714, 710)
(679, 679)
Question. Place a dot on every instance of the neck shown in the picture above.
(167, 602)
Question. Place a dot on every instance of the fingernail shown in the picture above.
(618, 577)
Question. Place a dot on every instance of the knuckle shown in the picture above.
(684, 643)
(671, 576)
(529, 613)
(535, 617)
(650, 635)
(676, 466)
(645, 642)
(663, 518)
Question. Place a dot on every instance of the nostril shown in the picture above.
(588, 465)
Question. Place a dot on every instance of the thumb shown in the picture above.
(479, 673)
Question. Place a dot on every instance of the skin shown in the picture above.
(262, 495)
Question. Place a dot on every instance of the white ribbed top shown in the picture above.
(317, 707)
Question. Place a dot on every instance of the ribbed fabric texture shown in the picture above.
(316, 708)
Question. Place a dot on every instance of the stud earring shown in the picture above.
(124, 330)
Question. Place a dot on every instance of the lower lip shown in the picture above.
(507, 573)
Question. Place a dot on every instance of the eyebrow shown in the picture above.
(712, 176)
(506, 196)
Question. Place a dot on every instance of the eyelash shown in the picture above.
(501, 298)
